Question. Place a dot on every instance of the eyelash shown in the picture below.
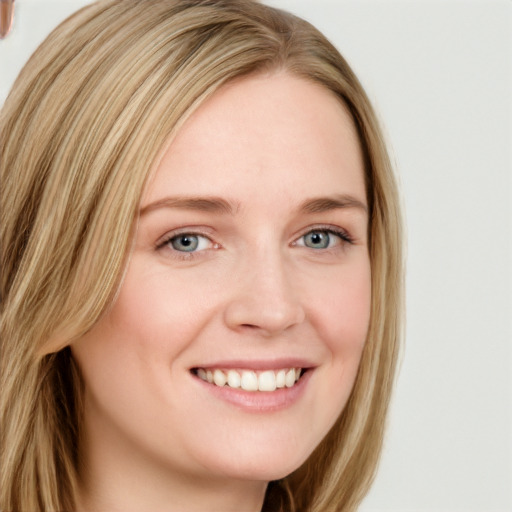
(344, 236)
(183, 255)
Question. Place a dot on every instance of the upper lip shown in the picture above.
(259, 364)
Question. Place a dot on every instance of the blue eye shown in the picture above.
(188, 242)
(317, 239)
(323, 239)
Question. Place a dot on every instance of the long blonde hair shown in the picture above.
(79, 132)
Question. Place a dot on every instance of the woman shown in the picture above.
(201, 266)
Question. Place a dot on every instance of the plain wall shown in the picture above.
(440, 76)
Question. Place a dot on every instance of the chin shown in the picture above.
(258, 462)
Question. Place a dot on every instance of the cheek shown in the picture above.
(339, 310)
(343, 311)
(157, 313)
(153, 320)
(342, 320)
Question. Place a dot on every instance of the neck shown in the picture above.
(113, 479)
(196, 498)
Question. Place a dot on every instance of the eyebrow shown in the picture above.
(324, 204)
(220, 205)
(203, 204)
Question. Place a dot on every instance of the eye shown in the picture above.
(323, 239)
(317, 240)
(188, 242)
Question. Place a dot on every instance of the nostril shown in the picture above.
(264, 310)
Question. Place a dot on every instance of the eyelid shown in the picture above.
(164, 241)
(344, 236)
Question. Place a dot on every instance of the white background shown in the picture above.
(440, 75)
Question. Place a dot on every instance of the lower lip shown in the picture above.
(259, 401)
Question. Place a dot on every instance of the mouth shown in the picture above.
(251, 380)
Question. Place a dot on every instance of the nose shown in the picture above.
(265, 300)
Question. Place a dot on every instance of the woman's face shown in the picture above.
(250, 261)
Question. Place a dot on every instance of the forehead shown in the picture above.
(277, 131)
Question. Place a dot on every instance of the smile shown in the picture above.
(250, 380)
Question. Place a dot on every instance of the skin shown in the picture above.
(155, 437)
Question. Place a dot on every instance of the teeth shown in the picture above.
(219, 378)
(281, 378)
(289, 378)
(267, 381)
(248, 380)
(234, 380)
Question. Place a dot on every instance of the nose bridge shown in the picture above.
(269, 274)
(265, 299)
